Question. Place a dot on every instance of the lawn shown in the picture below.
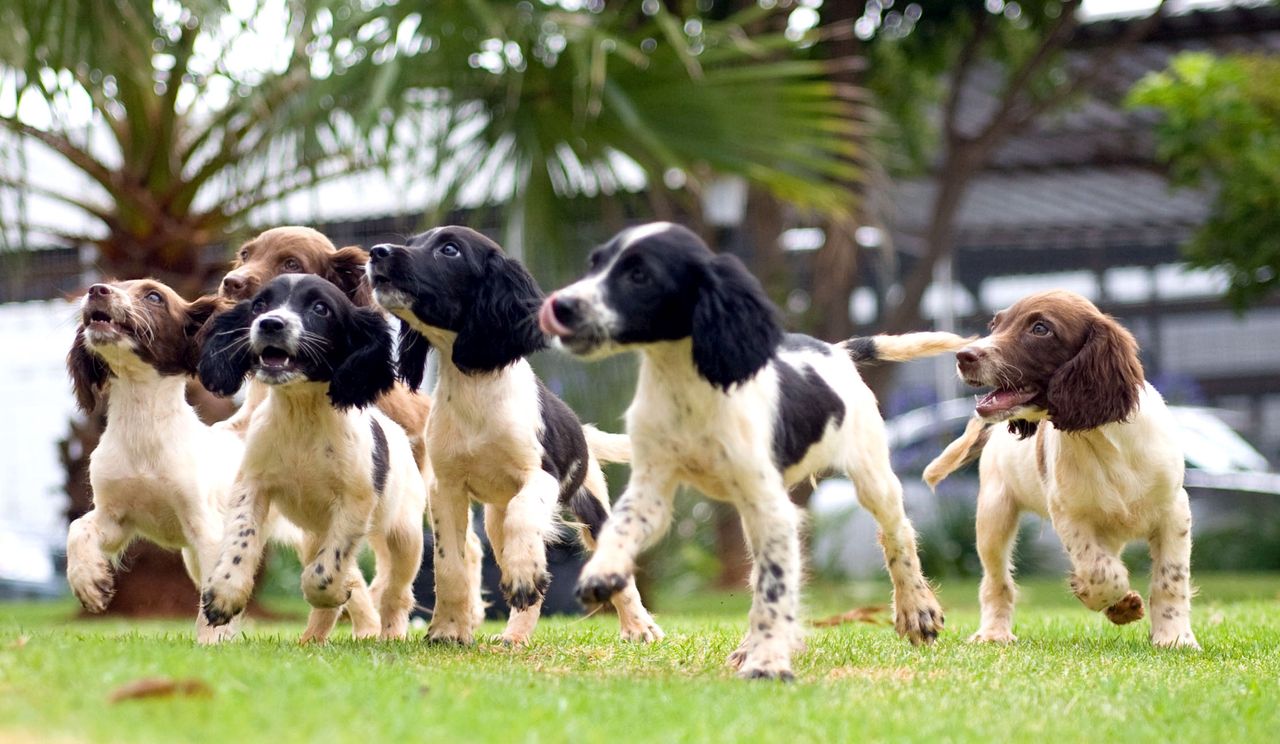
(1071, 677)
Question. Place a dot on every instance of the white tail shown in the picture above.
(607, 447)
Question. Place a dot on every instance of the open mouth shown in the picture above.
(1003, 401)
(100, 320)
(275, 359)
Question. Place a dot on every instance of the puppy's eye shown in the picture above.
(154, 298)
(449, 250)
(259, 307)
(594, 259)
(244, 255)
(320, 309)
(291, 266)
(1039, 328)
(638, 276)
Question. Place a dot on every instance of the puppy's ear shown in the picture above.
(1100, 385)
(412, 361)
(368, 370)
(346, 269)
(225, 356)
(198, 314)
(735, 327)
(501, 325)
(89, 373)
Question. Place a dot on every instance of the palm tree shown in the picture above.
(188, 119)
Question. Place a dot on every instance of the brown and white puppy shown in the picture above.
(339, 469)
(158, 472)
(1089, 444)
(302, 250)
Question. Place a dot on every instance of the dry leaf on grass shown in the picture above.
(154, 687)
(19, 642)
(871, 614)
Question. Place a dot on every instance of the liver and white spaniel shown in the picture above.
(302, 250)
(730, 404)
(1088, 443)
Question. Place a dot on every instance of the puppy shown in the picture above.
(730, 404)
(158, 472)
(496, 434)
(301, 250)
(1088, 443)
(341, 472)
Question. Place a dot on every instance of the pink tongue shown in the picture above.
(1002, 400)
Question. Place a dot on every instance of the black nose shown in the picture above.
(969, 355)
(271, 325)
(100, 289)
(568, 310)
(380, 251)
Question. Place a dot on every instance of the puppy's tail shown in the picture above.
(966, 449)
(904, 347)
(607, 447)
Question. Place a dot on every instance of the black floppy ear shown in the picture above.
(367, 371)
(1100, 384)
(198, 314)
(735, 327)
(501, 325)
(88, 373)
(225, 356)
(346, 270)
(412, 360)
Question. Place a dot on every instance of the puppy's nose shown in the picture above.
(969, 355)
(232, 284)
(100, 290)
(380, 251)
(271, 325)
(567, 310)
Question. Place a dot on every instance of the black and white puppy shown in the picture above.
(340, 470)
(730, 404)
(495, 433)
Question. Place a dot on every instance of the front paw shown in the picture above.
(994, 635)
(521, 594)
(450, 631)
(765, 662)
(1175, 639)
(211, 635)
(920, 622)
(1127, 610)
(94, 594)
(219, 607)
(642, 630)
(597, 588)
(322, 587)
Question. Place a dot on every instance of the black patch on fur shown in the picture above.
(1022, 428)
(589, 510)
(564, 446)
(801, 342)
(862, 349)
(381, 456)
(806, 405)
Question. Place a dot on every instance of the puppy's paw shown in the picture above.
(219, 607)
(1127, 610)
(920, 621)
(321, 587)
(1175, 639)
(597, 588)
(450, 631)
(993, 635)
(94, 593)
(210, 635)
(394, 628)
(641, 630)
(521, 593)
(767, 661)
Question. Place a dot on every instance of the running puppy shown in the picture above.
(340, 471)
(302, 250)
(496, 434)
(1089, 443)
(730, 404)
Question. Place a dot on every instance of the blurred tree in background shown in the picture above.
(189, 119)
(1221, 128)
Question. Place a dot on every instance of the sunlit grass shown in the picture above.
(1071, 677)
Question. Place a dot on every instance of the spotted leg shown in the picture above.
(93, 542)
(997, 530)
(773, 529)
(641, 516)
(456, 613)
(1098, 576)
(229, 585)
(1170, 545)
(328, 579)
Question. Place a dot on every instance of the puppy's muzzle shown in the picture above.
(559, 315)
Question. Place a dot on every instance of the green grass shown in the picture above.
(1071, 677)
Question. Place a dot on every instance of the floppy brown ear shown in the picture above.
(346, 269)
(1100, 385)
(89, 374)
